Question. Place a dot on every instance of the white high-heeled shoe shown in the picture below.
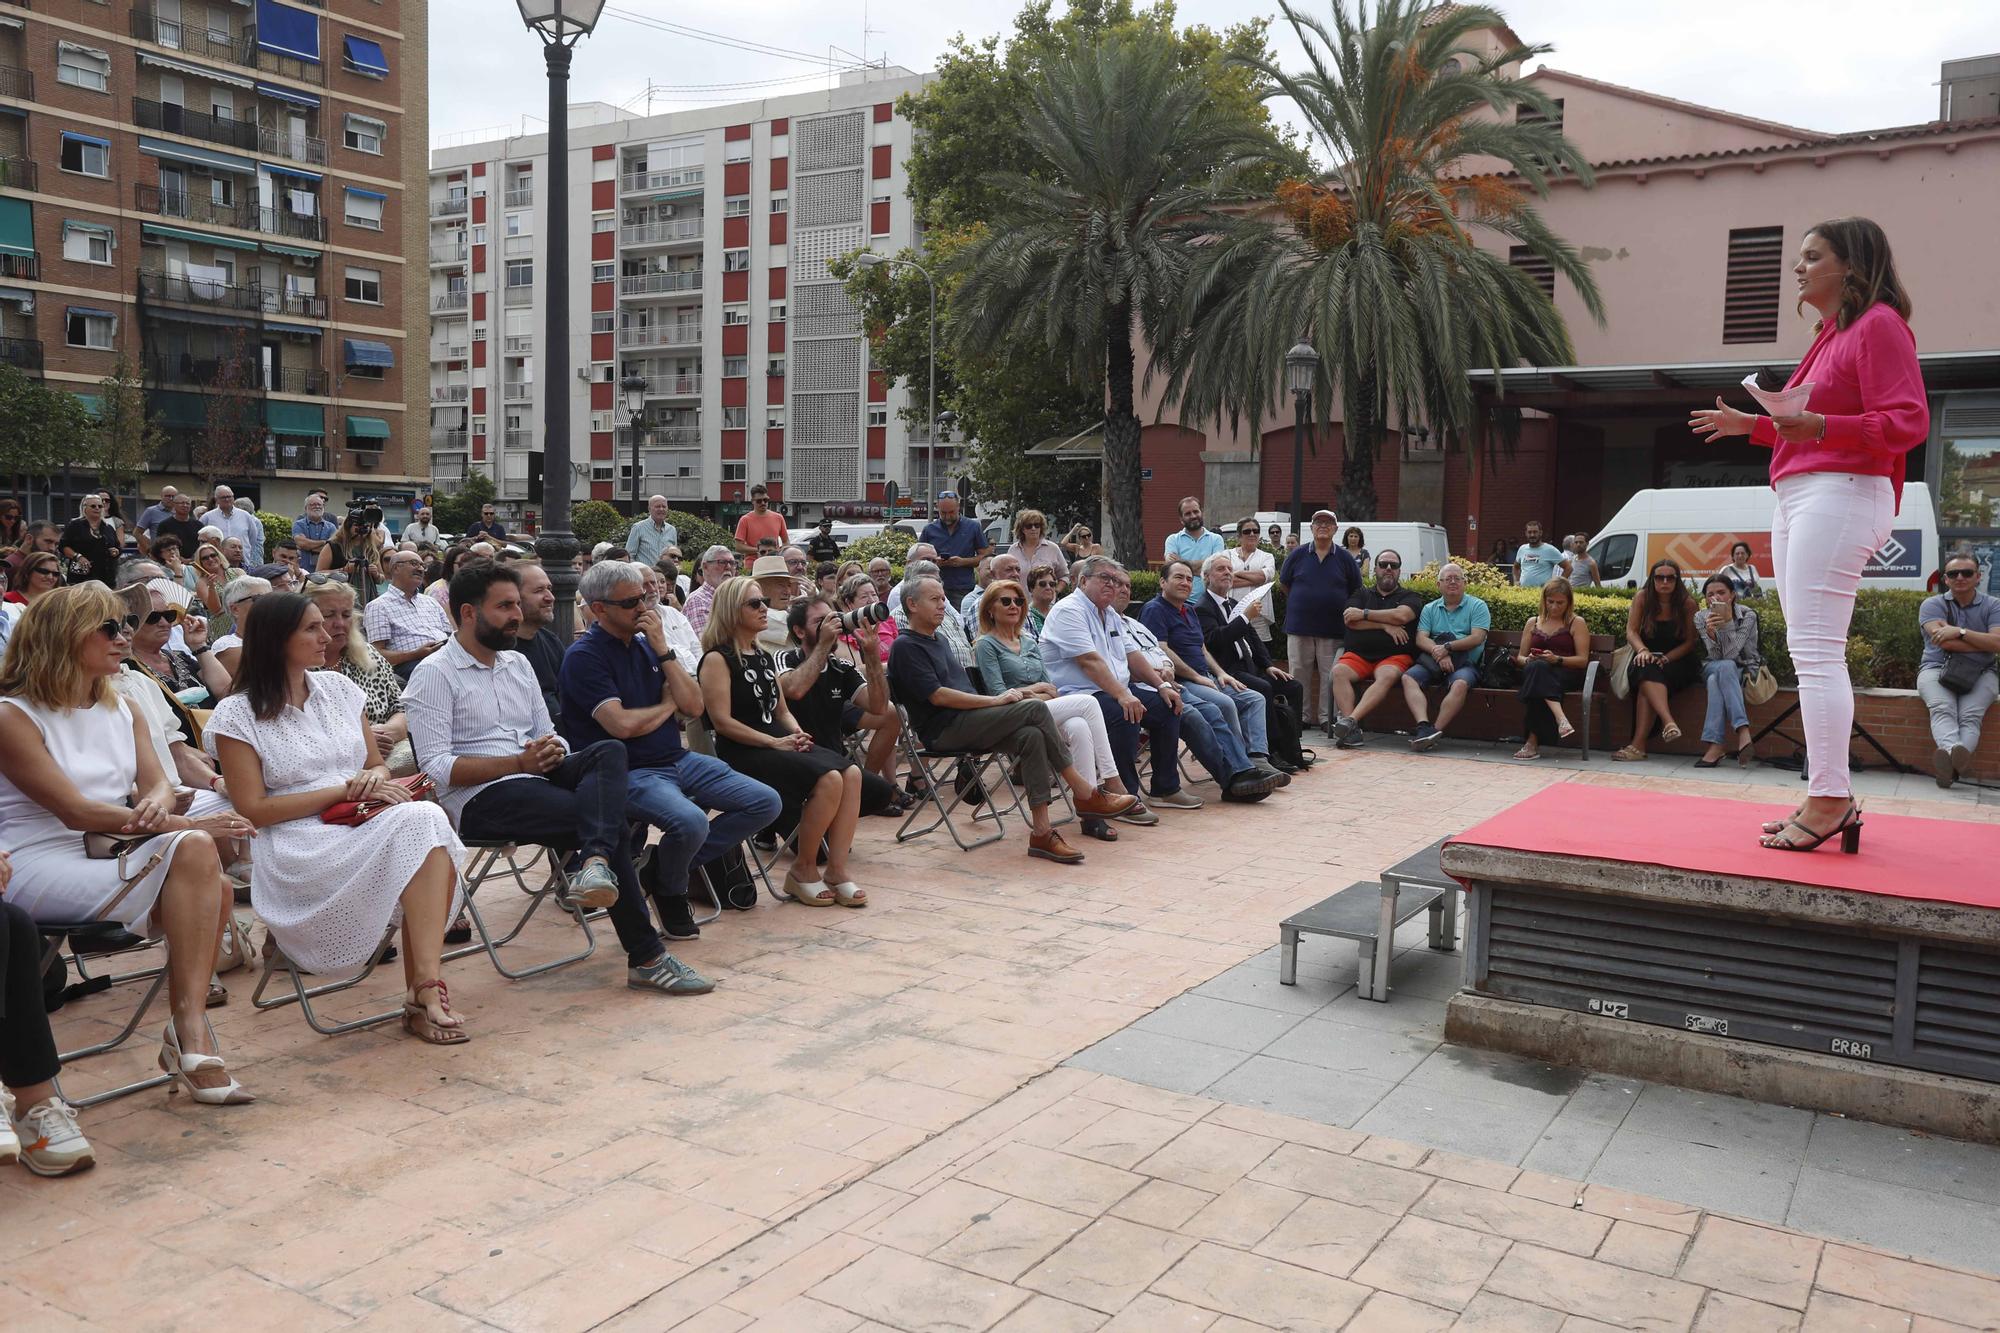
(180, 1065)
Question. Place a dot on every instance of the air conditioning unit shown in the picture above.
(363, 459)
(667, 210)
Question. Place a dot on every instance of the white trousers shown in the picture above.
(1082, 724)
(1826, 526)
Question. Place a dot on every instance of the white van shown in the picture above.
(1419, 544)
(1696, 526)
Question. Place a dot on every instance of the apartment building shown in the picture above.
(214, 191)
(698, 249)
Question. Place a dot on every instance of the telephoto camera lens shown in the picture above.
(872, 614)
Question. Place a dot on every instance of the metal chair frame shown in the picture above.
(982, 762)
(484, 867)
(53, 936)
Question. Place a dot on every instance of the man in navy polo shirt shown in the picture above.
(1177, 625)
(1319, 580)
(624, 681)
(959, 543)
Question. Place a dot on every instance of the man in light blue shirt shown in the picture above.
(1538, 560)
(1194, 544)
(237, 522)
(652, 535)
(1451, 639)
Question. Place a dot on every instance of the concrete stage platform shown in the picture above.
(1638, 933)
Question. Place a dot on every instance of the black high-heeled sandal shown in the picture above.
(1849, 829)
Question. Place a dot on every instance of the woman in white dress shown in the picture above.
(76, 759)
(1251, 567)
(292, 741)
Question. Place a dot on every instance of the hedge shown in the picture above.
(277, 528)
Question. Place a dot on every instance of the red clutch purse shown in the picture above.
(418, 785)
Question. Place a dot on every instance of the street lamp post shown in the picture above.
(1301, 369)
(634, 386)
(561, 24)
(869, 259)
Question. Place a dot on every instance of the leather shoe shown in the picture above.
(1051, 847)
(1107, 805)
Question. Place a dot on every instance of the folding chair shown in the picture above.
(486, 865)
(276, 961)
(973, 766)
(54, 935)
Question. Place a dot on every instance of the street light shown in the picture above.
(561, 24)
(1301, 369)
(869, 259)
(634, 386)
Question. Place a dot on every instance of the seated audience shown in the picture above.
(1728, 632)
(404, 625)
(1451, 640)
(883, 575)
(919, 551)
(218, 666)
(1233, 640)
(166, 552)
(349, 652)
(1172, 619)
(1085, 650)
(1555, 649)
(538, 642)
(826, 579)
(292, 741)
(627, 681)
(174, 729)
(1214, 737)
(1660, 630)
(952, 631)
(235, 553)
(1044, 586)
(775, 580)
(1741, 572)
(718, 564)
(1379, 622)
(756, 735)
(1010, 659)
(991, 570)
(948, 713)
(1961, 625)
(37, 1127)
(833, 694)
(75, 758)
(177, 670)
(440, 587)
(212, 575)
(34, 575)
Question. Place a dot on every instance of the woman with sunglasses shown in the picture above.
(13, 528)
(76, 759)
(177, 672)
(211, 575)
(36, 574)
(1032, 547)
(1044, 586)
(1252, 567)
(1660, 631)
(756, 735)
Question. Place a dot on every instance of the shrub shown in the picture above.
(696, 535)
(892, 543)
(1145, 587)
(277, 528)
(595, 521)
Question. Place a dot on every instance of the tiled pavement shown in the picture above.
(600, 1157)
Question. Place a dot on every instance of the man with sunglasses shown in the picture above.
(959, 543)
(761, 524)
(1380, 647)
(1960, 624)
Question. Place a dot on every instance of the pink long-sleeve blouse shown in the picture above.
(1867, 385)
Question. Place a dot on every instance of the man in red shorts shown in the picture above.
(1380, 647)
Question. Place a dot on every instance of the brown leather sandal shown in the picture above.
(418, 1021)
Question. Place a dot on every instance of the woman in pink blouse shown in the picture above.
(1838, 470)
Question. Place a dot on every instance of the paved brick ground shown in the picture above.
(810, 1146)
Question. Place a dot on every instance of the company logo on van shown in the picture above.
(1899, 556)
(1704, 552)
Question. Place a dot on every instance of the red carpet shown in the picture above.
(1944, 860)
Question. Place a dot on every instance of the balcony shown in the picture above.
(297, 379)
(19, 173)
(674, 486)
(450, 393)
(660, 284)
(660, 335)
(274, 141)
(518, 439)
(296, 456)
(448, 441)
(449, 253)
(517, 391)
(24, 354)
(521, 293)
(306, 305)
(517, 247)
(520, 344)
(672, 386)
(662, 437)
(17, 83)
(449, 352)
(284, 222)
(520, 196)
(444, 483)
(661, 180)
(206, 369)
(207, 293)
(291, 67)
(446, 302)
(190, 31)
(148, 114)
(660, 233)
(193, 207)
(451, 206)
(21, 266)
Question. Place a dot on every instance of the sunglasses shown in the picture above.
(1666, 578)
(1961, 573)
(756, 604)
(1388, 564)
(1006, 601)
(112, 629)
(46, 571)
(171, 615)
(1031, 527)
(319, 580)
(947, 495)
(1246, 532)
(623, 603)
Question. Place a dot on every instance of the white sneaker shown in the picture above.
(10, 1142)
(53, 1145)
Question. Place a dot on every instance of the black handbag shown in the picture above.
(1961, 672)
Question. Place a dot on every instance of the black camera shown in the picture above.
(371, 514)
(872, 614)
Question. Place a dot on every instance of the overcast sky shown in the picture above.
(1823, 64)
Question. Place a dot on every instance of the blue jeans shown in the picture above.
(1208, 722)
(677, 798)
(1243, 709)
(1725, 701)
(1163, 730)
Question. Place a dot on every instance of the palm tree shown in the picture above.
(1127, 148)
(1374, 262)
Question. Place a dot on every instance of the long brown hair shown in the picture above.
(1557, 586)
(1678, 607)
(1862, 245)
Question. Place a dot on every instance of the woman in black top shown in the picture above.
(1660, 630)
(756, 735)
(92, 543)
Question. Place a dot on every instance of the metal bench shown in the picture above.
(1368, 913)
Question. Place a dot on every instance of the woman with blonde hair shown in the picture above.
(349, 652)
(1032, 547)
(1555, 648)
(77, 760)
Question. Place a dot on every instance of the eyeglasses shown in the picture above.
(1961, 573)
(112, 629)
(755, 604)
(319, 580)
(1388, 564)
(623, 603)
(1006, 601)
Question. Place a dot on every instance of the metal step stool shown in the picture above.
(1368, 913)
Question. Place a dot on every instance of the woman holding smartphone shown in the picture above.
(1555, 648)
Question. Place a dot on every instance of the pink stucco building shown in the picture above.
(1691, 229)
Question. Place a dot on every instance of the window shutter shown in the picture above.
(1535, 266)
(1750, 295)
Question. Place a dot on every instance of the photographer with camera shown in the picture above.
(831, 698)
(356, 551)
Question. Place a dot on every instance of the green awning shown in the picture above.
(292, 251)
(179, 411)
(294, 418)
(198, 237)
(367, 428)
(17, 227)
(677, 194)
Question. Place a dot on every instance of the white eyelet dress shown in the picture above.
(53, 879)
(328, 892)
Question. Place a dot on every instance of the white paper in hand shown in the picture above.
(1785, 403)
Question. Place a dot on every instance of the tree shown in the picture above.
(126, 439)
(456, 512)
(42, 430)
(1374, 261)
(234, 440)
(1131, 151)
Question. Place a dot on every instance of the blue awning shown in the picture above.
(277, 170)
(287, 95)
(277, 327)
(365, 57)
(361, 352)
(86, 138)
(366, 194)
(201, 157)
(91, 310)
(288, 31)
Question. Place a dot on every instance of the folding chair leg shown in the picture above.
(556, 885)
(302, 995)
(66, 1058)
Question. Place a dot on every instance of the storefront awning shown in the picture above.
(294, 418)
(1087, 445)
(367, 428)
(361, 352)
(201, 157)
(365, 57)
(198, 237)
